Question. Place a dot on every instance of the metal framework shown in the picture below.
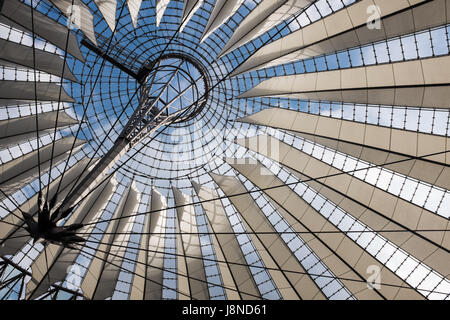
(152, 112)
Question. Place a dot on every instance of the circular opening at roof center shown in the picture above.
(176, 87)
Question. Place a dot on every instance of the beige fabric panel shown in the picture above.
(22, 125)
(16, 102)
(406, 143)
(102, 168)
(432, 173)
(91, 284)
(138, 284)
(225, 272)
(91, 207)
(39, 269)
(190, 247)
(423, 96)
(154, 222)
(95, 211)
(21, 138)
(24, 178)
(51, 63)
(184, 291)
(18, 15)
(30, 206)
(111, 270)
(359, 194)
(338, 242)
(28, 161)
(349, 278)
(108, 10)
(354, 283)
(425, 16)
(133, 7)
(137, 290)
(399, 83)
(264, 17)
(58, 271)
(17, 173)
(189, 9)
(285, 289)
(272, 249)
(60, 259)
(222, 11)
(87, 19)
(45, 91)
(156, 247)
(345, 25)
(228, 246)
(161, 6)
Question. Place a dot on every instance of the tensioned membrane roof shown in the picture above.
(312, 161)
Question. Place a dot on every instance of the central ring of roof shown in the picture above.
(176, 85)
